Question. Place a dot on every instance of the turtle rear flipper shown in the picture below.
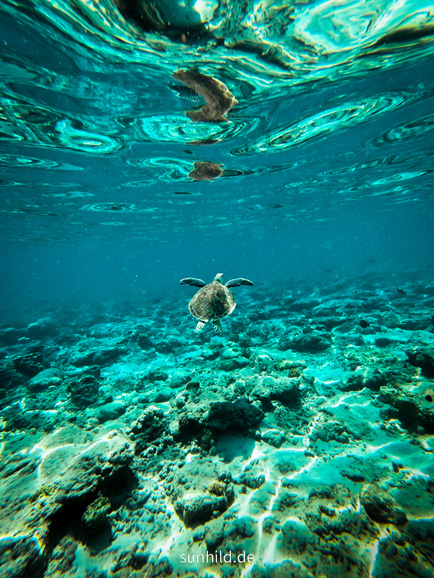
(238, 282)
(200, 326)
(192, 281)
(217, 326)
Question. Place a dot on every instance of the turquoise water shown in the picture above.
(303, 434)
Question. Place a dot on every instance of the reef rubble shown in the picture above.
(298, 436)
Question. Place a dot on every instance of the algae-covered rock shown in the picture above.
(296, 536)
(411, 409)
(330, 431)
(233, 363)
(380, 507)
(94, 518)
(84, 390)
(422, 357)
(285, 569)
(397, 557)
(240, 528)
(157, 374)
(274, 437)
(372, 378)
(10, 378)
(311, 342)
(45, 490)
(179, 377)
(195, 510)
(31, 363)
(21, 557)
(232, 359)
(44, 379)
(9, 336)
(41, 328)
(110, 411)
(239, 415)
(79, 471)
(101, 356)
(283, 389)
(263, 361)
(62, 558)
(148, 428)
(162, 395)
(251, 480)
(145, 342)
(384, 341)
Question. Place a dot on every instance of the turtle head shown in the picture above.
(218, 278)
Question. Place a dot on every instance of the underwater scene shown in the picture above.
(216, 289)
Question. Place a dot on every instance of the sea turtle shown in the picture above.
(212, 301)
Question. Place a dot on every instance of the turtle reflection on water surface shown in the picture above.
(212, 301)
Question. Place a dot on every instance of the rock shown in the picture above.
(284, 569)
(274, 437)
(43, 490)
(258, 314)
(409, 408)
(179, 377)
(396, 557)
(311, 342)
(44, 379)
(149, 427)
(110, 411)
(9, 336)
(383, 341)
(251, 480)
(232, 359)
(144, 342)
(190, 424)
(365, 377)
(77, 472)
(380, 507)
(195, 510)
(422, 357)
(264, 362)
(283, 389)
(94, 518)
(304, 304)
(21, 557)
(354, 476)
(330, 431)
(41, 328)
(162, 395)
(84, 390)
(10, 378)
(233, 363)
(31, 363)
(287, 391)
(192, 385)
(16, 419)
(62, 558)
(296, 536)
(214, 535)
(103, 356)
(240, 528)
(239, 415)
(157, 374)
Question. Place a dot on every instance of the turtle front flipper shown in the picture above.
(238, 282)
(192, 281)
(200, 326)
(217, 326)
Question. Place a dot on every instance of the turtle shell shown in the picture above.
(213, 301)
